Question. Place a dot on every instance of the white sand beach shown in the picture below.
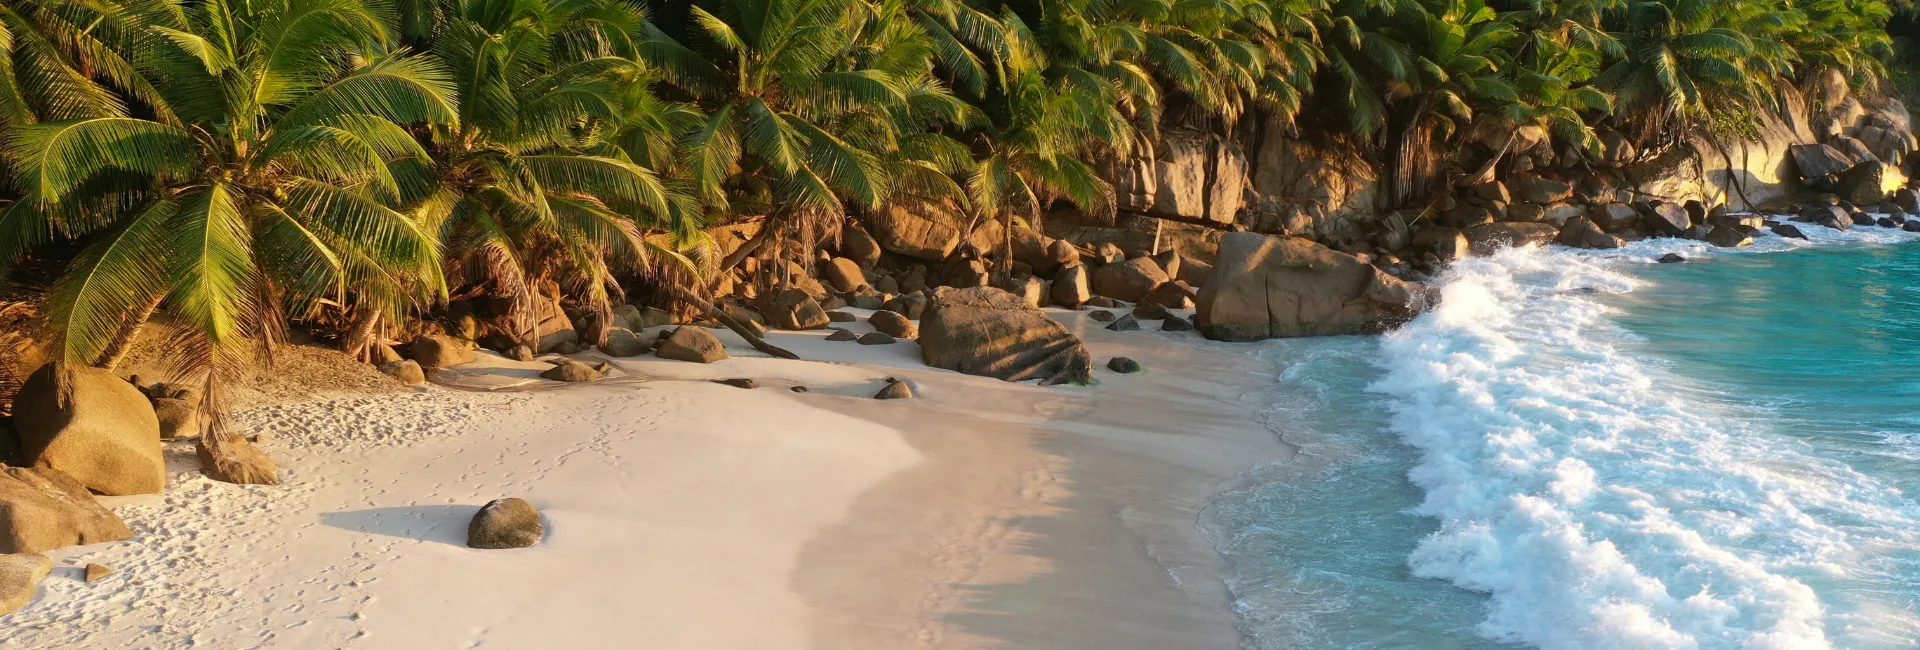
(682, 513)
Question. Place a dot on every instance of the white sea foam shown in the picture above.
(1597, 507)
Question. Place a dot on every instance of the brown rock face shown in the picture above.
(1070, 287)
(405, 371)
(691, 343)
(19, 576)
(105, 435)
(793, 309)
(857, 245)
(893, 324)
(1272, 287)
(988, 332)
(1128, 280)
(845, 275)
(928, 234)
(44, 509)
(230, 458)
(505, 523)
(180, 418)
(895, 390)
(1581, 233)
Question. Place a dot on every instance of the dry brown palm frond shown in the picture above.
(16, 343)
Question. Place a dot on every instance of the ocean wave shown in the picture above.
(1603, 502)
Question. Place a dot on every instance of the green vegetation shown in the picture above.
(244, 164)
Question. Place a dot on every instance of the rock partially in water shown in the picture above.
(1123, 365)
(1672, 258)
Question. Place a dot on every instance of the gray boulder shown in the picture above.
(1128, 280)
(989, 332)
(876, 338)
(1272, 287)
(1728, 237)
(625, 343)
(1818, 160)
(895, 389)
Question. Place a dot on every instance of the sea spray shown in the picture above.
(1596, 507)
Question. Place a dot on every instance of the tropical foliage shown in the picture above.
(241, 164)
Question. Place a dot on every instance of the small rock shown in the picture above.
(521, 353)
(436, 351)
(1150, 311)
(181, 419)
(1789, 231)
(505, 523)
(1125, 323)
(566, 347)
(406, 371)
(877, 338)
(842, 335)
(571, 371)
(895, 390)
(1672, 258)
(1912, 225)
(1176, 324)
(624, 343)
(739, 382)
(20, 573)
(1123, 365)
(1101, 315)
(798, 389)
(840, 317)
(97, 571)
(1103, 302)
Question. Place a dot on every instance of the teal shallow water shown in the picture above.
(1587, 450)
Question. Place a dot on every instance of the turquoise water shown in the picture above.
(1589, 450)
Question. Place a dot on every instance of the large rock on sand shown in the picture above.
(1070, 288)
(793, 309)
(104, 434)
(19, 576)
(505, 523)
(691, 343)
(1128, 280)
(1271, 287)
(893, 324)
(989, 332)
(437, 351)
(42, 509)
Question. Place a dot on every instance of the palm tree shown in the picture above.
(272, 194)
(528, 185)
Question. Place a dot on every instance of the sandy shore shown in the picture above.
(687, 514)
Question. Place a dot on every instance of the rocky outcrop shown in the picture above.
(923, 231)
(1490, 238)
(988, 332)
(439, 351)
(893, 324)
(42, 509)
(102, 431)
(1582, 233)
(230, 458)
(1272, 287)
(1071, 288)
(1128, 280)
(505, 523)
(793, 309)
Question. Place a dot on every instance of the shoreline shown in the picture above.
(983, 515)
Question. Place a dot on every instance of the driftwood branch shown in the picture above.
(752, 338)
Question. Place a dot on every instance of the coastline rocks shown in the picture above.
(1907, 200)
(1728, 237)
(838, 316)
(1128, 280)
(1125, 323)
(20, 575)
(911, 306)
(901, 231)
(989, 332)
(439, 351)
(793, 309)
(1864, 184)
(1789, 231)
(1818, 160)
(505, 523)
(842, 335)
(43, 509)
(893, 324)
(895, 389)
(691, 343)
(857, 245)
(1272, 287)
(1101, 315)
(1581, 233)
(104, 434)
(230, 458)
(1176, 324)
(1533, 189)
(876, 338)
(1671, 258)
(1614, 217)
(405, 371)
(1150, 311)
(1486, 239)
(1831, 216)
(1668, 219)
(520, 353)
(1070, 287)
(1123, 365)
